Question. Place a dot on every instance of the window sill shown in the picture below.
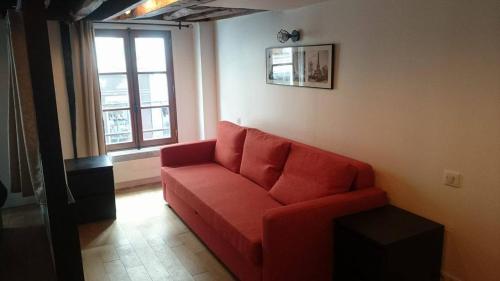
(135, 154)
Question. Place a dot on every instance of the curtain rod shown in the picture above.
(138, 23)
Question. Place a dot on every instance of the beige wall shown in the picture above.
(417, 91)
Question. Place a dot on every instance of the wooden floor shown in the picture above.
(146, 242)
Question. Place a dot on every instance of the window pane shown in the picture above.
(155, 123)
(282, 73)
(117, 126)
(110, 53)
(150, 54)
(281, 56)
(153, 89)
(114, 91)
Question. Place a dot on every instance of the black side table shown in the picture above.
(92, 185)
(387, 244)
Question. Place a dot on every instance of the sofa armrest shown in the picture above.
(187, 153)
(297, 239)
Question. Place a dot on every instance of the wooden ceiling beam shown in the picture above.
(113, 8)
(8, 4)
(179, 15)
(221, 14)
(84, 8)
(71, 10)
(153, 8)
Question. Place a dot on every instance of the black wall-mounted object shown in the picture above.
(283, 36)
(387, 244)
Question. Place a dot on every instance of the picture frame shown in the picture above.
(301, 66)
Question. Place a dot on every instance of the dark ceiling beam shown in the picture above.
(71, 10)
(8, 4)
(113, 8)
(83, 8)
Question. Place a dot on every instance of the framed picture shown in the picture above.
(302, 66)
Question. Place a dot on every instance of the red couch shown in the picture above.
(264, 204)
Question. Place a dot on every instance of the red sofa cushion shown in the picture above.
(229, 145)
(264, 156)
(310, 174)
(226, 201)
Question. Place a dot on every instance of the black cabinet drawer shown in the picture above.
(91, 183)
(95, 208)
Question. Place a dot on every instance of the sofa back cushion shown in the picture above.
(229, 145)
(264, 156)
(365, 176)
(310, 174)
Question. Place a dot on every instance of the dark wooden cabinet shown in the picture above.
(387, 244)
(92, 185)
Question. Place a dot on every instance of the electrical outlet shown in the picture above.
(452, 178)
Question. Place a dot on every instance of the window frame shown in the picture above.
(132, 75)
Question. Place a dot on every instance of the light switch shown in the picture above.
(452, 178)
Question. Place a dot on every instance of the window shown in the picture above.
(137, 87)
(282, 65)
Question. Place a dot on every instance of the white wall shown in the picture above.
(136, 172)
(417, 91)
(204, 55)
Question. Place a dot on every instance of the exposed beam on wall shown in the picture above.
(63, 230)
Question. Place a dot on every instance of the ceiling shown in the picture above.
(166, 10)
(272, 5)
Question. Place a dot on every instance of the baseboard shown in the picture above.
(445, 276)
(134, 183)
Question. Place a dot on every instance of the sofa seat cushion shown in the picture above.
(231, 204)
(311, 174)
